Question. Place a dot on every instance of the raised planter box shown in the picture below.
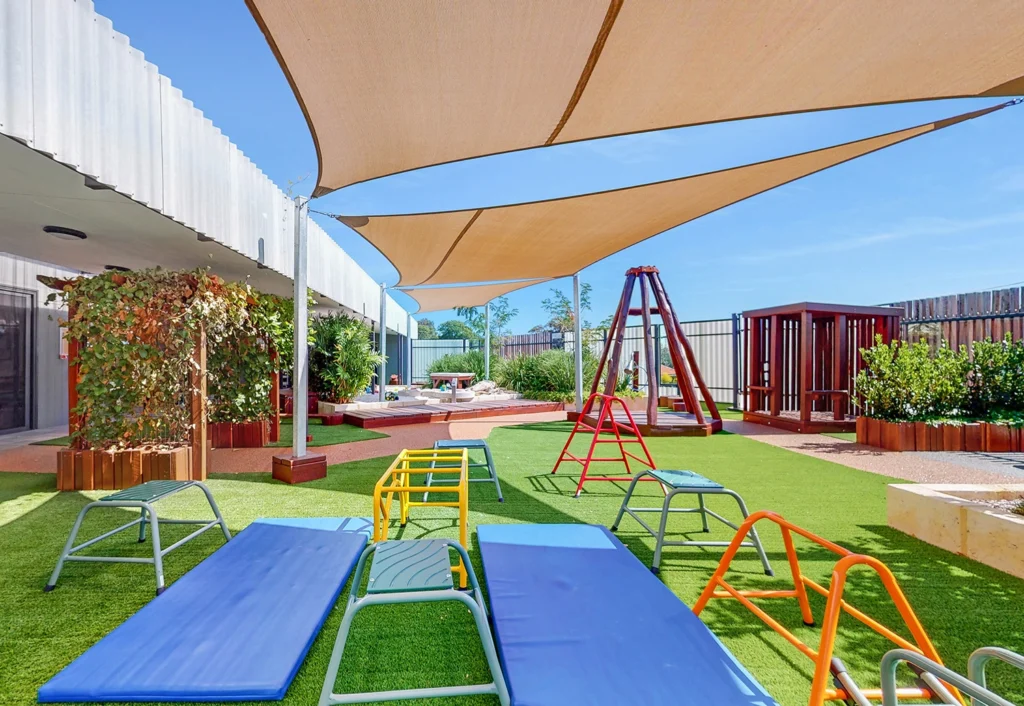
(953, 518)
(921, 436)
(286, 402)
(239, 435)
(115, 470)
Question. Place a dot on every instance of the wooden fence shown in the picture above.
(962, 319)
(529, 343)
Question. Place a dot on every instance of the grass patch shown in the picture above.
(63, 441)
(327, 436)
(842, 435)
(963, 604)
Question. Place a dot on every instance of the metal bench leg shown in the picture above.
(659, 540)
(158, 557)
(52, 583)
(216, 510)
(493, 471)
(753, 533)
(142, 525)
(625, 500)
(703, 512)
(351, 608)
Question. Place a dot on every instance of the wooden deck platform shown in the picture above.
(445, 412)
(668, 423)
(820, 423)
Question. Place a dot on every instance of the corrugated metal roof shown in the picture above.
(74, 88)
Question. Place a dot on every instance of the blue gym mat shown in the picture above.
(579, 620)
(234, 628)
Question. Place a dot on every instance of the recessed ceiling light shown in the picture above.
(64, 233)
(117, 268)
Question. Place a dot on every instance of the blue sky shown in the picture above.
(942, 214)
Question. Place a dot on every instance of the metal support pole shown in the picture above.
(737, 357)
(300, 371)
(487, 341)
(656, 375)
(382, 376)
(577, 340)
(408, 348)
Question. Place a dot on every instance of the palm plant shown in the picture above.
(342, 362)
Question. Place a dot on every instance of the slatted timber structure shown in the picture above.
(803, 359)
(962, 319)
(690, 421)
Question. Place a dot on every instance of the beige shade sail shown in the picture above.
(393, 85)
(555, 238)
(440, 298)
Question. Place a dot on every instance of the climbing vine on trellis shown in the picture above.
(138, 333)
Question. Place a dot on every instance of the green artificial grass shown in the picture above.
(326, 436)
(64, 441)
(963, 604)
(842, 435)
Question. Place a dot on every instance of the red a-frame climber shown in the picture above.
(606, 423)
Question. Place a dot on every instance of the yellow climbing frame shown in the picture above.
(396, 481)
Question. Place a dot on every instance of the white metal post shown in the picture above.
(382, 375)
(578, 340)
(487, 341)
(408, 348)
(300, 370)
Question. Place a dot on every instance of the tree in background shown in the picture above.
(501, 317)
(427, 331)
(559, 307)
(456, 329)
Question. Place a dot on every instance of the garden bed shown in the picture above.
(970, 520)
(927, 436)
(115, 470)
(239, 435)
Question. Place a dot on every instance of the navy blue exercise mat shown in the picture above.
(234, 628)
(579, 620)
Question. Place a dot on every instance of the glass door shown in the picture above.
(15, 341)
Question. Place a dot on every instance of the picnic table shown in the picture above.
(454, 379)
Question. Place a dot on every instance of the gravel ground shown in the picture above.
(917, 467)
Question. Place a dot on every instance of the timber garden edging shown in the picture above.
(92, 469)
(923, 436)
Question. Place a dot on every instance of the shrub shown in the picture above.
(468, 362)
(549, 371)
(904, 382)
(996, 376)
(342, 361)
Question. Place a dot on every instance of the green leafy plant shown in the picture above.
(996, 376)
(904, 382)
(247, 351)
(468, 362)
(138, 334)
(552, 372)
(342, 361)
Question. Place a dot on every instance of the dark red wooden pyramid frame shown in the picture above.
(683, 361)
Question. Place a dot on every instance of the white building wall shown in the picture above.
(74, 88)
(49, 373)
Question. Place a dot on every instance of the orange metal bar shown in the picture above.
(798, 584)
(769, 620)
(821, 688)
(866, 619)
(759, 594)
